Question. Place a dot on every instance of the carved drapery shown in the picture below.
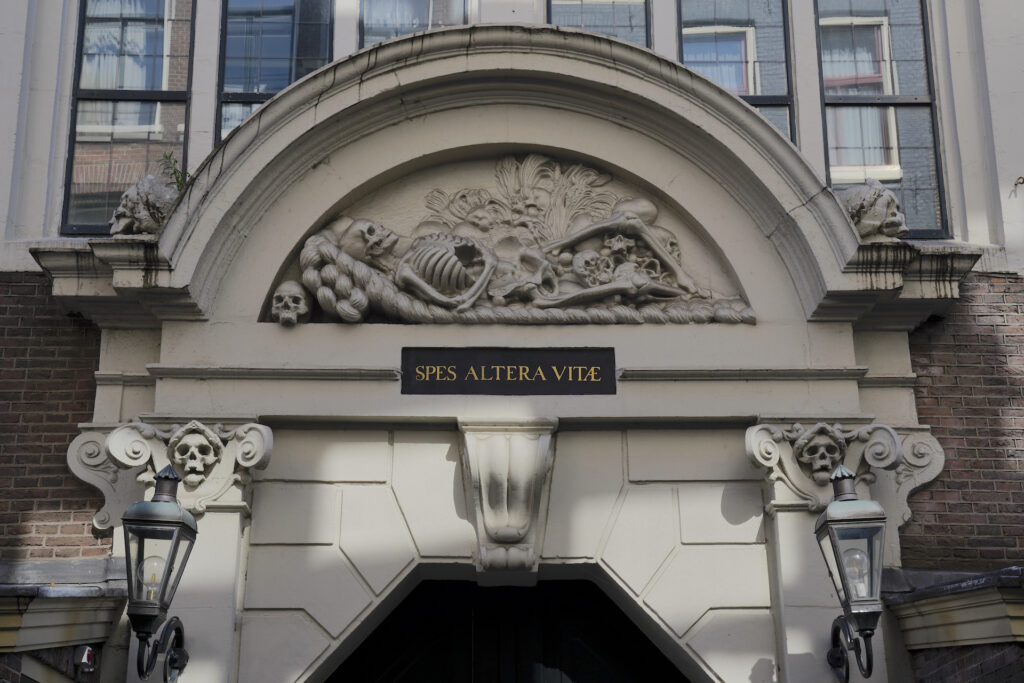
(889, 466)
(214, 463)
(506, 467)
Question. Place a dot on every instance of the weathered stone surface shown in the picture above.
(314, 578)
(691, 454)
(585, 484)
(721, 513)
(699, 578)
(738, 645)
(427, 481)
(330, 455)
(373, 534)
(297, 642)
(643, 535)
(295, 513)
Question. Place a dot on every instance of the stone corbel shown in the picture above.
(889, 467)
(506, 465)
(215, 464)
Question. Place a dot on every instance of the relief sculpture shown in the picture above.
(551, 245)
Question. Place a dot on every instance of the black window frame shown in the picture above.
(79, 94)
(757, 101)
(895, 101)
(252, 98)
(647, 23)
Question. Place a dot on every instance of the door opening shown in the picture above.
(556, 632)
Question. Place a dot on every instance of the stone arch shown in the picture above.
(392, 107)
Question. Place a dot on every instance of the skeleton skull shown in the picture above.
(592, 268)
(195, 454)
(291, 304)
(366, 240)
(820, 453)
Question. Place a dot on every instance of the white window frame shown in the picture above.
(845, 175)
(750, 45)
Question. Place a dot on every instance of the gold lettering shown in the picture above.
(539, 375)
(558, 375)
(592, 374)
(524, 373)
(471, 373)
(451, 374)
(420, 376)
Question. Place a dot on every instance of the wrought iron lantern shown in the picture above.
(850, 533)
(158, 537)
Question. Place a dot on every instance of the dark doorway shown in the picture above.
(556, 632)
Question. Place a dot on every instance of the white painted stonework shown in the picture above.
(698, 528)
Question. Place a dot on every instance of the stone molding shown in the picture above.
(215, 464)
(506, 465)
(982, 609)
(136, 281)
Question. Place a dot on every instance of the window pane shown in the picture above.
(136, 44)
(894, 145)
(625, 19)
(116, 144)
(233, 113)
(270, 43)
(739, 45)
(778, 117)
(879, 38)
(385, 19)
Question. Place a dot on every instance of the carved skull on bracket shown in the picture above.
(196, 449)
(819, 450)
(291, 304)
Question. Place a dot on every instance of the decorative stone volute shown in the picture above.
(888, 466)
(214, 463)
(506, 466)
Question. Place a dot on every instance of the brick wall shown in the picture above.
(10, 667)
(47, 360)
(997, 663)
(970, 389)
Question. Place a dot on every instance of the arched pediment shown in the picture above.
(461, 94)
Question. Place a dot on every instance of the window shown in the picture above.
(741, 46)
(878, 105)
(385, 19)
(268, 44)
(130, 104)
(625, 19)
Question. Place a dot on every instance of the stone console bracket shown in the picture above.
(890, 465)
(506, 466)
(215, 464)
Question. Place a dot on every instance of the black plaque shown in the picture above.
(508, 371)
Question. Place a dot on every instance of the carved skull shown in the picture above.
(365, 239)
(875, 211)
(820, 450)
(592, 268)
(291, 304)
(195, 449)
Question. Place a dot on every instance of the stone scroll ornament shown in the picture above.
(549, 245)
(507, 466)
(798, 461)
(215, 464)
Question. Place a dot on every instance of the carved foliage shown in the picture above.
(550, 245)
(214, 463)
(507, 466)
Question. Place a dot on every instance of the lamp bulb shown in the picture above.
(150, 574)
(857, 567)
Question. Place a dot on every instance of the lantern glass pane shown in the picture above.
(825, 541)
(860, 551)
(149, 548)
(178, 566)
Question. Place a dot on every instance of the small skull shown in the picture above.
(820, 449)
(195, 454)
(593, 268)
(195, 448)
(291, 304)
